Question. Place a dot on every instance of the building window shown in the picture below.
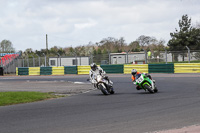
(53, 62)
(74, 61)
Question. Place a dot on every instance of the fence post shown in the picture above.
(14, 64)
(145, 56)
(17, 61)
(166, 56)
(45, 60)
(80, 61)
(23, 61)
(126, 57)
(33, 61)
(188, 53)
(109, 61)
(9, 65)
(27, 61)
(76, 60)
(74, 53)
(6, 66)
(91, 58)
(38, 59)
(59, 58)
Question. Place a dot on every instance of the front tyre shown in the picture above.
(149, 88)
(103, 89)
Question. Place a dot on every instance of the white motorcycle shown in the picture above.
(103, 84)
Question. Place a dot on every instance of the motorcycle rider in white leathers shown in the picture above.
(95, 70)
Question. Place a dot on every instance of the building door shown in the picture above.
(114, 60)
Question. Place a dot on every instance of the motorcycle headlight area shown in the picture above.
(99, 78)
(140, 79)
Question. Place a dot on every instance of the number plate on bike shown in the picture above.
(140, 79)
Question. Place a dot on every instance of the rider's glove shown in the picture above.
(100, 71)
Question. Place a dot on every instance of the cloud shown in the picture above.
(77, 22)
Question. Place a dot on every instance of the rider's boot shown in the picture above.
(138, 88)
(95, 86)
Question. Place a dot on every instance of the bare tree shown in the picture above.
(6, 46)
(134, 46)
(144, 40)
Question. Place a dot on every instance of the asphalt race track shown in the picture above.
(177, 104)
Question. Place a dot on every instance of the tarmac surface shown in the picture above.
(56, 84)
(174, 109)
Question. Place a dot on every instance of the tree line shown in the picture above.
(186, 35)
(105, 46)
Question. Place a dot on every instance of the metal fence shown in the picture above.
(32, 62)
(174, 56)
(10, 66)
(111, 58)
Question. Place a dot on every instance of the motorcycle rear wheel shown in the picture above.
(112, 92)
(155, 90)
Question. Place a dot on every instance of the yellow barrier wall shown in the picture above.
(139, 67)
(58, 70)
(186, 67)
(83, 69)
(16, 70)
(34, 70)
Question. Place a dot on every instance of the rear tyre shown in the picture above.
(112, 90)
(149, 88)
(155, 90)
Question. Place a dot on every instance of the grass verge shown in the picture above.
(10, 98)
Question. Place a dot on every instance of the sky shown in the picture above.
(77, 22)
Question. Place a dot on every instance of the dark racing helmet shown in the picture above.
(93, 66)
(134, 72)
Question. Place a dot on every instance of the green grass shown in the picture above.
(9, 98)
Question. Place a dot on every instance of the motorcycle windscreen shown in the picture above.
(137, 76)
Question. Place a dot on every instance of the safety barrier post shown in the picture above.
(188, 54)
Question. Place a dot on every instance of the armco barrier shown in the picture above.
(34, 70)
(161, 68)
(23, 71)
(113, 68)
(187, 68)
(70, 69)
(45, 70)
(126, 69)
(58, 70)
(140, 68)
(83, 69)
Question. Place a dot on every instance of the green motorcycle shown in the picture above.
(145, 83)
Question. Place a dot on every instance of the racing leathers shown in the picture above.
(133, 78)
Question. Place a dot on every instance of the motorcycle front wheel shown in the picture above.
(149, 88)
(103, 90)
